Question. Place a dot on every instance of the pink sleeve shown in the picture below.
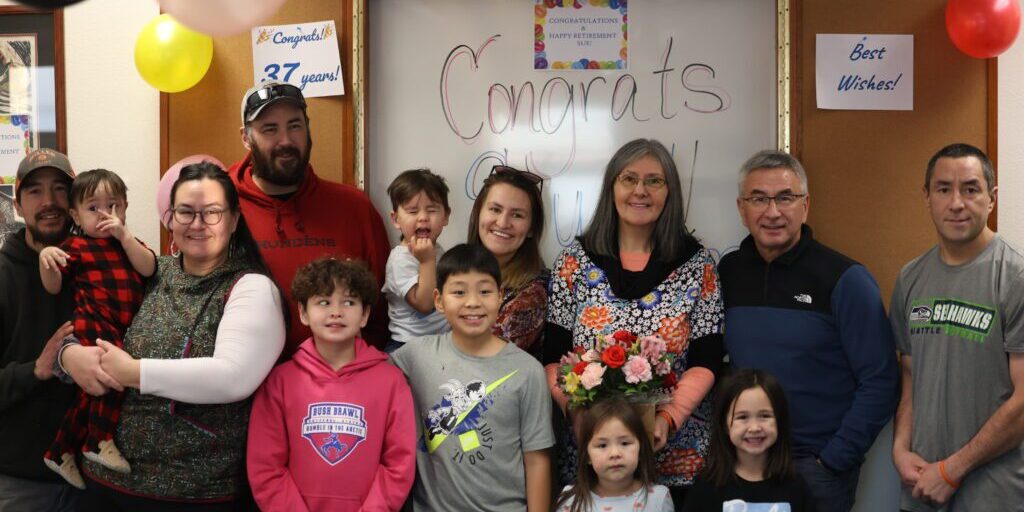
(267, 453)
(556, 391)
(397, 469)
(688, 393)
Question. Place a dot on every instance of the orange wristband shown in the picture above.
(668, 419)
(942, 472)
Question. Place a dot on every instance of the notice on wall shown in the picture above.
(305, 55)
(864, 71)
(580, 35)
(15, 143)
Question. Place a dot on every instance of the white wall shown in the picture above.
(1011, 144)
(113, 116)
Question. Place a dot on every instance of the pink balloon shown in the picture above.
(163, 190)
(221, 17)
(983, 28)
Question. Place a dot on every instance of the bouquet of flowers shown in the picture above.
(620, 364)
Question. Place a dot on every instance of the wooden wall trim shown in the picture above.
(60, 101)
(165, 161)
(796, 83)
(993, 130)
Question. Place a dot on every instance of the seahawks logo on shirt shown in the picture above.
(954, 317)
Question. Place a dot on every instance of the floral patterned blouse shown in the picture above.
(684, 308)
(521, 317)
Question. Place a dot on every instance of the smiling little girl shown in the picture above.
(750, 467)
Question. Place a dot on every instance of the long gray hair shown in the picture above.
(670, 235)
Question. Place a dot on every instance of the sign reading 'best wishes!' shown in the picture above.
(864, 71)
(304, 55)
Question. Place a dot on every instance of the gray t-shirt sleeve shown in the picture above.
(898, 317)
(1013, 311)
(399, 358)
(535, 411)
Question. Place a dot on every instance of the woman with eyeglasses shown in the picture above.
(508, 219)
(637, 269)
(209, 330)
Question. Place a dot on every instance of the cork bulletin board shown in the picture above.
(866, 168)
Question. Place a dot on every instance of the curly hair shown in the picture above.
(322, 276)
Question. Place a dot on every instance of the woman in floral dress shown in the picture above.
(636, 268)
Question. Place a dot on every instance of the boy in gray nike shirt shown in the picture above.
(483, 404)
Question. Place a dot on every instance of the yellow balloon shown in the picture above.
(170, 56)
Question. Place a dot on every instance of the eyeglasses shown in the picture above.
(760, 202)
(651, 182)
(533, 179)
(210, 217)
(265, 95)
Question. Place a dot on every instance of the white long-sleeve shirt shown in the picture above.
(250, 338)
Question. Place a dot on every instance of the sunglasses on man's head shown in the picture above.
(262, 96)
(533, 179)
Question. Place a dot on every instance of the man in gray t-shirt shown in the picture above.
(957, 313)
(477, 417)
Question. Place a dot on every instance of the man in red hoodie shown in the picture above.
(294, 215)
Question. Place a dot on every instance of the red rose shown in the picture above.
(580, 366)
(579, 350)
(669, 381)
(614, 356)
(625, 338)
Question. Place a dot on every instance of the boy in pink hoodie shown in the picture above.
(333, 428)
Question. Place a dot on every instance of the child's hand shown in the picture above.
(423, 249)
(52, 258)
(112, 224)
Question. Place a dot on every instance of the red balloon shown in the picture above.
(983, 28)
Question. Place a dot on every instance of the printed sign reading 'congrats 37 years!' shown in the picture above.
(304, 55)
(864, 71)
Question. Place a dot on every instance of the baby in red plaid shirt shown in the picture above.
(106, 264)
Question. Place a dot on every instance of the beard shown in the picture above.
(48, 238)
(283, 176)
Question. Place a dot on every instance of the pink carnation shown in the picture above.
(571, 359)
(663, 367)
(637, 369)
(592, 376)
(652, 347)
(591, 356)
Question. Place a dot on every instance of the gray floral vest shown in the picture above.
(177, 450)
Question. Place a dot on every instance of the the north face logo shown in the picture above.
(334, 429)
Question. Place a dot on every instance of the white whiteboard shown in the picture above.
(711, 99)
(411, 40)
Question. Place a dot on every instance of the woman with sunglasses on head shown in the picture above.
(209, 330)
(508, 219)
(637, 269)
